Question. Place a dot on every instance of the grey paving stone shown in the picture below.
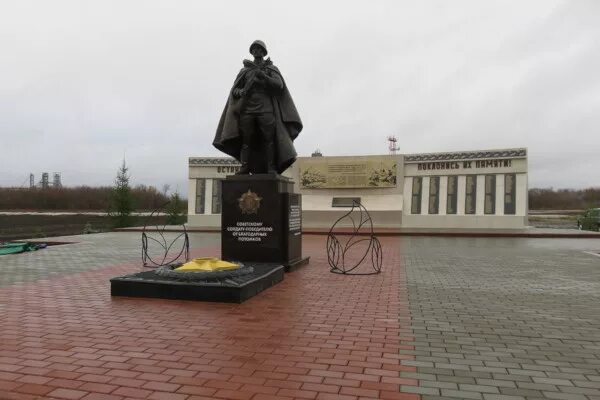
(587, 384)
(456, 379)
(496, 382)
(419, 389)
(461, 394)
(468, 361)
(545, 368)
(537, 386)
(495, 370)
(500, 364)
(436, 371)
(502, 397)
(483, 358)
(527, 309)
(414, 363)
(521, 392)
(478, 388)
(564, 375)
(564, 396)
(515, 378)
(581, 390)
(433, 359)
(416, 375)
(474, 374)
(527, 372)
(453, 366)
(553, 381)
(548, 362)
(439, 384)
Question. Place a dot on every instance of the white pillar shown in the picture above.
(208, 197)
(521, 195)
(500, 194)
(191, 196)
(425, 196)
(461, 192)
(480, 195)
(443, 193)
(407, 195)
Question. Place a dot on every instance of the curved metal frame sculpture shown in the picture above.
(336, 253)
(148, 261)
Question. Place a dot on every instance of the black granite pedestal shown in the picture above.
(261, 221)
(235, 289)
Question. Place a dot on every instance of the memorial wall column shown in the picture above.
(443, 193)
(192, 200)
(521, 195)
(500, 194)
(425, 196)
(461, 192)
(208, 196)
(407, 194)
(480, 195)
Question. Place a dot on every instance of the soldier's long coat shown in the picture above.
(287, 126)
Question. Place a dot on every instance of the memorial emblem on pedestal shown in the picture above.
(249, 202)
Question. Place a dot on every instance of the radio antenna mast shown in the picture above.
(393, 145)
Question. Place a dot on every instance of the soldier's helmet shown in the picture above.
(259, 43)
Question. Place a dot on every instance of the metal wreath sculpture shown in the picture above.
(336, 252)
(167, 258)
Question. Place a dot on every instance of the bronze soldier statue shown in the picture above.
(260, 121)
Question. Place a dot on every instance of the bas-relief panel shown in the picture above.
(335, 173)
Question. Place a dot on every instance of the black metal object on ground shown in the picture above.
(336, 251)
(236, 289)
(167, 256)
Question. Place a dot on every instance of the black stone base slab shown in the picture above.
(233, 290)
(294, 265)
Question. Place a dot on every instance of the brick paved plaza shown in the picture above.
(464, 318)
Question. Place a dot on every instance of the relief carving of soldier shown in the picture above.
(260, 121)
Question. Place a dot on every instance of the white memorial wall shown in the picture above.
(461, 190)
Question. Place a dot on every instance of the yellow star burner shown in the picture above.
(207, 264)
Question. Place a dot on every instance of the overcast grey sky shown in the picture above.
(83, 83)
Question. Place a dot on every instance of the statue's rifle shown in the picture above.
(250, 82)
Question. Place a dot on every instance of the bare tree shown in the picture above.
(165, 189)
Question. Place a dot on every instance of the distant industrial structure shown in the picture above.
(56, 180)
(44, 183)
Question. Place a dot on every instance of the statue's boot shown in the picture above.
(271, 169)
(244, 156)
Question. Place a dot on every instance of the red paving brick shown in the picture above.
(316, 335)
(67, 394)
